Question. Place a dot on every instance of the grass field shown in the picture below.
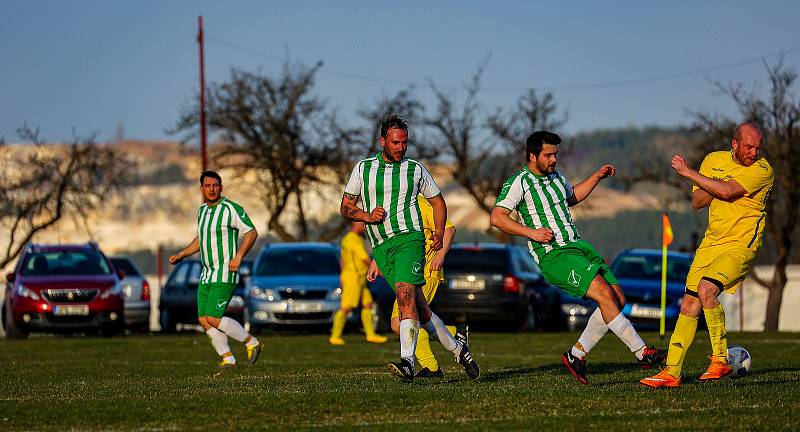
(301, 382)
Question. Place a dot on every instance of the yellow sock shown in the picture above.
(366, 322)
(424, 353)
(338, 324)
(452, 330)
(679, 343)
(715, 318)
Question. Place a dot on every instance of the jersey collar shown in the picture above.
(536, 176)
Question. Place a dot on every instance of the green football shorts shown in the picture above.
(573, 267)
(402, 259)
(213, 298)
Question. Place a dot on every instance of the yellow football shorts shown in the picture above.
(354, 291)
(428, 290)
(727, 265)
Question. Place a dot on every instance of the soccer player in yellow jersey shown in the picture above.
(735, 186)
(355, 262)
(434, 274)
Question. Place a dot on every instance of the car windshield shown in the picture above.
(77, 263)
(649, 267)
(477, 260)
(125, 265)
(295, 262)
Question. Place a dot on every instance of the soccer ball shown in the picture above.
(739, 359)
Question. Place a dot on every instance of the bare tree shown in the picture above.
(41, 184)
(277, 128)
(778, 115)
(482, 163)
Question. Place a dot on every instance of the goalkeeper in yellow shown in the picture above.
(735, 186)
(355, 262)
(433, 276)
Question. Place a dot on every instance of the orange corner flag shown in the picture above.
(667, 237)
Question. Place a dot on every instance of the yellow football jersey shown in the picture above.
(429, 228)
(740, 222)
(355, 259)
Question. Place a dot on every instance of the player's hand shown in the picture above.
(235, 263)
(437, 262)
(436, 241)
(373, 271)
(174, 259)
(605, 171)
(542, 235)
(377, 215)
(679, 165)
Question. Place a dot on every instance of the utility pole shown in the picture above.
(203, 142)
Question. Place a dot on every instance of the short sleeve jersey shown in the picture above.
(429, 228)
(541, 201)
(742, 220)
(218, 229)
(393, 186)
(355, 259)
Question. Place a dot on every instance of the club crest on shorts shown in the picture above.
(574, 278)
(417, 268)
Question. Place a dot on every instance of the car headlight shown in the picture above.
(22, 291)
(114, 290)
(236, 301)
(335, 294)
(573, 309)
(264, 294)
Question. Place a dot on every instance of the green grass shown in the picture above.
(301, 382)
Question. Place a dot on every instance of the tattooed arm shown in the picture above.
(349, 210)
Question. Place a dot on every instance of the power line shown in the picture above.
(564, 87)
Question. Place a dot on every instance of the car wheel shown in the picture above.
(530, 320)
(166, 321)
(12, 331)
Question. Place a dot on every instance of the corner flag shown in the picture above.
(667, 236)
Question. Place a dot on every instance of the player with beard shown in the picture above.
(387, 185)
(541, 195)
(735, 186)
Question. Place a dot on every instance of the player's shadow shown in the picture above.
(499, 375)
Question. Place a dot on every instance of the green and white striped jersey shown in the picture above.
(541, 201)
(218, 229)
(393, 186)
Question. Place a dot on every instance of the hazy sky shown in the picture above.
(94, 65)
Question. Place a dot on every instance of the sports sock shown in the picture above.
(595, 329)
(679, 343)
(230, 327)
(424, 353)
(624, 330)
(715, 318)
(436, 327)
(219, 341)
(338, 324)
(367, 323)
(408, 338)
(250, 341)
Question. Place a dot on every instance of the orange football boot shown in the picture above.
(717, 370)
(662, 379)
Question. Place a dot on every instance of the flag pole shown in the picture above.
(666, 239)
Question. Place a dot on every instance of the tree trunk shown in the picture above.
(775, 297)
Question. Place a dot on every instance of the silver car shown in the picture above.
(294, 284)
(137, 294)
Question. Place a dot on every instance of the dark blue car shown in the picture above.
(639, 275)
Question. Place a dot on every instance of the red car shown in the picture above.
(63, 289)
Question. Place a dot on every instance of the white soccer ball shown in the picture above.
(739, 359)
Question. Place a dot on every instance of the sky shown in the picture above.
(83, 67)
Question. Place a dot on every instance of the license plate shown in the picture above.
(640, 311)
(477, 284)
(304, 307)
(61, 310)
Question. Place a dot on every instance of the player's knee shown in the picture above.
(690, 306)
(213, 321)
(346, 310)
(367, 306)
